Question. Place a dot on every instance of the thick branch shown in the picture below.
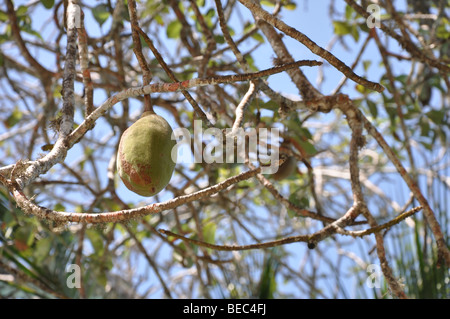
(119, 216)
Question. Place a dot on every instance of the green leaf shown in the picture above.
(181, 257)
(436, 116)
(258, 37)
(270, 105)
(304, 132)
(247, 27)
(187, 74)
(341, 27)
(267, 283)
(428, 146)
(59, 207)
(27, 28)
(24, 237)
(21, 11)
(88, 151)
(267, 3)
(372, 108)
(348, 12)
(110, 204)
(42, 248)
(57, 91)
(424, 127)
(308, 147)
(442, 31)
(220, 39)
(3, 16)
(362, 89)
(402, 78)
(295, 125)
(143, 43)
(174, 29)
(209, 232)
(251, 62)
(159, 19)
(366, 64)
(96, 240)
(101, 13)
(210, 14)
(364, 27)
(13, 118)
(392, 112)
(290, 6)
(355, 33)
(48, 4)
(299, 198)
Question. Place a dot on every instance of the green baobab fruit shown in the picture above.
(144, 161)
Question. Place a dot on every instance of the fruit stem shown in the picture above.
(148, 107)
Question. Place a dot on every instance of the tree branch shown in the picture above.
(274, 243)
(119, 216)
(311, 45)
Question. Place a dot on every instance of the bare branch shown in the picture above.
(90, 218)
(84, 65)
(290, 31)
(404, 42)
(274, 243)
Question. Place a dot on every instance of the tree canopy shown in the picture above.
(356, 92)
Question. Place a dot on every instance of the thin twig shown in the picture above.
(306, 89)
(405, 44)
(396, 220)
(137, 49)
(150, 261)
(198, 111)
(443, 251)
(311, 45)
(393, 283)
(15, 30)
(358, 57)
(397, 98)
(274, 243)
(248, 97)
(19, 276)
(210, 42)
(226, 34)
